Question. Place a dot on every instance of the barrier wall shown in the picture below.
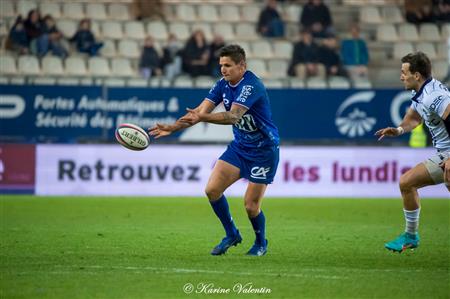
(72, 114)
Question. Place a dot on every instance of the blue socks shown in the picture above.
(222, 211)
(259, 226)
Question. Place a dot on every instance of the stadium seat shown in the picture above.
(7, 8)
(387, 33)
(293, 12)
(67, 27)
(225, 30)
(52, 65)
(4, 80)
(7, 65)
(207, 13)
(44, 81)
(29, 65)
(429, 32)
(135, 30)
(114, 82)
(50, 8)
(262, 49)
(112, 29)
(246, 31)
(119, 12)
(86, 81)
(183, 81)
(99, 67)
(445, 31)
(392, 14)
(185, 12)
(401, 49)
(95, 28)
(181, 30)
(283, 49)
(295, 82)
(370, 15)
(408, 32)
(229, 13)
(316, 83)
(109, 48)
(273, 83)
(443, 50)
(362, 84)
(159, 82)
(258, 66)
(137, 82)
(247, 48)
(440, 69)
(121, 67)
(205, 27)
(158, 30)
(73, 10)
(24, 6)
(67, 81)
(427, 48)
(250, 13)
(129, 48)
(96, 11)
(338, 82)
(204, 82)
(277, 68)
(17, 80)
(76, 66)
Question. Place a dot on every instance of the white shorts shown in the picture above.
(434, 166)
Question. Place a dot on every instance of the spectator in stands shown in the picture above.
(196, 55)
(305, 61)
(150, 62)
(270, 23)
(171, 60)
(33, 27)
(17, 39)
(145, 9)
(329, 56)
(442, 10)
(316, 17)
(51, 39)
(214, 66)
(419, 11)
(355, 55)
(85, 40)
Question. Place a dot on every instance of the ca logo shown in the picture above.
(259, 172)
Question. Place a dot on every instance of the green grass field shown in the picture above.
(72, 247)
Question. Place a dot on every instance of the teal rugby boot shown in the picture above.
(403, 242)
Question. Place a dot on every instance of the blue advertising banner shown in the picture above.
(74, 114)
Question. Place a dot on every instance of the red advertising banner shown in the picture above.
(17, 168)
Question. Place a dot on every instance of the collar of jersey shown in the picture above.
(414, 98)
(231, 85)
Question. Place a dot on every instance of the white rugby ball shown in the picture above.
(132, 137)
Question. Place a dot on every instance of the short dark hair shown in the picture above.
(418, 62)
(235, 52)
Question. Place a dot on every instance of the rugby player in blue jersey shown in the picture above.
(254, 152)
(431, 105)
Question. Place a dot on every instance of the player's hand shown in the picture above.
(192, 117)
(160, 130)
(389, 131)
(446, 167)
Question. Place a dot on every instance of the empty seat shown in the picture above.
(119, 12)
(109, 48)
(392, 14)
(50, 8)
(293, 12)
(229, 13)
(225, 30)
(52, 65)
(277, 68)
(121, 67)
(114, 82)
(86, 81)
(181, 30)
(158, 30)
(204, 82)
(112, 29)
(4, 80)
(445, 30)
(73, 10)
(183, 81)
(283, 49)
(427, 48)
(387, 32)
(137, 82)
(7, 8)
(429, 32)
(296, 83)
(262, 49)
(67, 27)
(370, 15)
(134, 29)
(246, 31)
(185, 12)
(7, 65)
(44, 81)
(95, 28)
(258, 66)
(67, 81)
(362, 84)
(401, 49)
(24, 6)
(316, 83)
(440, 69)
(17, 80)
(408, 32)
(273, 83)
(75, 66)
(29, 65)
(208, 13)
(250, 13)
(98, 66)
(129, 48)
(96, 11)
(247, 48)
(338, 82)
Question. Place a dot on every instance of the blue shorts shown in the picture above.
(258, 165)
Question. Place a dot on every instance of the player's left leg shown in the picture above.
(252, 200)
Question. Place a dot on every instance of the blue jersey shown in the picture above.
(256, 128)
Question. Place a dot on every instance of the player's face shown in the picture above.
(410, 80)
(231, 71)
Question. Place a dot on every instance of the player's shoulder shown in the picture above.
(251, 80)
(218, 84)
(435, 90)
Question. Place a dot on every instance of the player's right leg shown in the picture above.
(223, 175)
(424, 174)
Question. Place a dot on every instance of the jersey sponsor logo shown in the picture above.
(247, 123)
(436, 103)
(260, 173)
(245, 92)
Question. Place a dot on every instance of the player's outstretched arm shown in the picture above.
(411, 120)
(221, 118)
(161, 130)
